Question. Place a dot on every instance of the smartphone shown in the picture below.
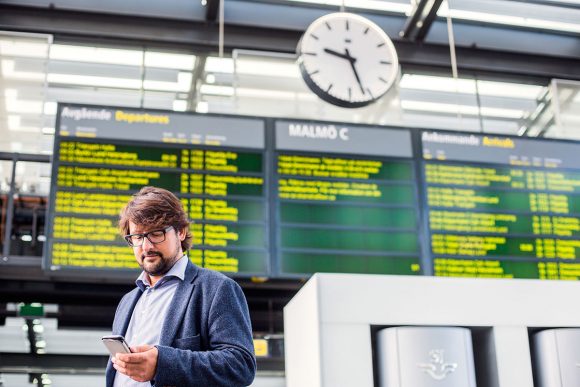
(116, 344)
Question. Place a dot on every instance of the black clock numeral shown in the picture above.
(328, 26)
(329, 87)
(314, 36)
(366, 31)
(383, 80)
(314, 72)
(381, 44)
(310, 53)
(385, 62)
(347, 25)
(371, 94)
(349, 93)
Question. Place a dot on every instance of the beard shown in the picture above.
(157, 267)
(161, 264)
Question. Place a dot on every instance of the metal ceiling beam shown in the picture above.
(23, 363)
(413, 22)
(53, 363)
(428, 21)
(211, 10)
(420, 20)
(153, 32)
(432, 56)
(265, 301)
(25, 157)
(200, 37)
(551, 3)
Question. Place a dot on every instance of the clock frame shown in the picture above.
(347, 60)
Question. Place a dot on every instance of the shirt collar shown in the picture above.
(176, 271)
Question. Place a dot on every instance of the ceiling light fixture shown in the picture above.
(202, 107)
(23, 107)
(468, 86)
(461, 109)
(87, 80)
(23, 49)
(50, 108)
(169, 61)
(262, 68)
(179, 105)
(96, 55)
(376, 5)
(509, 20)
(9, 72)
(219, 65)
(226, 91)
(14, 122)
(183, 84)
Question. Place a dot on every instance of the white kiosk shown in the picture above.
(331, 325)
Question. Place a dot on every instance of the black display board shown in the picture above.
(215, 165)
(287, 198)
(346, 199)
(502, 207)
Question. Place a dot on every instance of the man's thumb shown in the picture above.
(141, 348)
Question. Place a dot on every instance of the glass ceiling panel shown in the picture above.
(423, 100)
(534, 15)
(567, 107)
(550, 15)
(394, 6)
(36, 74)
(23, 102)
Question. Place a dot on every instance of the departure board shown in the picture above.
(346, 200)
(284, 198)
(502, 207)
(215, 165)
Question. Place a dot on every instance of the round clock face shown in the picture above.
(347, 60)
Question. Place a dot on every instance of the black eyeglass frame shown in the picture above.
(146, 235)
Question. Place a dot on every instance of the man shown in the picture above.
(186, 325)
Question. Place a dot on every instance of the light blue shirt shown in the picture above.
(150, 312)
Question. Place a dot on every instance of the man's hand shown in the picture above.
(139, 365)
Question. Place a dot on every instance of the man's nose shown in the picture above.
(147, 245)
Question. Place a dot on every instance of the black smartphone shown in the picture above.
(116, 344)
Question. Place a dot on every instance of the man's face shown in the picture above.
(156, 259)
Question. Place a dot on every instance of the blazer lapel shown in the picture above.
(127, 312)
(178, 305)
(120, 326)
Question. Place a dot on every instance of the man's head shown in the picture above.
(158, 217)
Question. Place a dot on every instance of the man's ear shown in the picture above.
(182, 233)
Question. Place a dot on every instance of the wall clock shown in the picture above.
(347, 60)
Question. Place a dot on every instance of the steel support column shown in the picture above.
(420, 20)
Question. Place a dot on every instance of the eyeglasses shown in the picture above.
(155, 237)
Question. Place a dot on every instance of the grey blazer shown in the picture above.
(206, 339)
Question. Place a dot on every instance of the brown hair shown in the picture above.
(155, 208)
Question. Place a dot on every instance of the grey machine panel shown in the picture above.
(557, 357)
(425, 357)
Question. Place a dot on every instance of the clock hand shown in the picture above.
(338, 54)
(351, 61)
